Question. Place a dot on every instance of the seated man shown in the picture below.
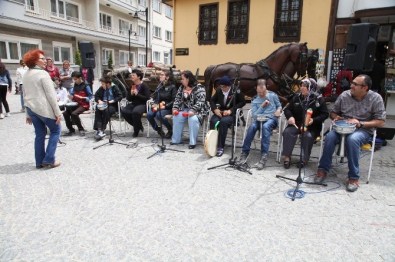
(265, 103)
(365, 109)
(80, 93)
(224, 107)
(106, 94)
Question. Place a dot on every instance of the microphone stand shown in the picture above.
(162, 147)
(233, 160)
(299, 180)
(110, 139)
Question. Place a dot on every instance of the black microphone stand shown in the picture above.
(162, 147)
(110, 139)
(233, 160)
(299, 180)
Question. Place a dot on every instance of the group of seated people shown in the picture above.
(305, 113)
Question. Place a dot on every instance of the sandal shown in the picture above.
(287, 162)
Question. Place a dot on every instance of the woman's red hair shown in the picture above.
(31, 57)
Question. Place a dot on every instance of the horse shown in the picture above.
(279, 66)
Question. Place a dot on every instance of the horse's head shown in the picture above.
(299, 57)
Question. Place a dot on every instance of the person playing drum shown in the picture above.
(81, 94)
(304, 106)
(267, 104)
(363, 108)
(108, 95)
(61, 93)
(224, 108)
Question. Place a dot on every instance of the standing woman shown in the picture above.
(20, 71)
(165, 92)
(137, 95)
(5, 83)
(189, 104)
(52, 70)
(42, 109)
(65, 75)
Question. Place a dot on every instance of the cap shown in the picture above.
(225, 80)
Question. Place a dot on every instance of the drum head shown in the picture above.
(210, 142)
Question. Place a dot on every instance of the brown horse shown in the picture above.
(276, 68)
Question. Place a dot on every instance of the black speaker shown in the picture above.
(87, 54)
(361, 46)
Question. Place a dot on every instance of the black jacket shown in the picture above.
(298, 106)
(218, 98)
(115, 91)
(165, 93)
(142, 96)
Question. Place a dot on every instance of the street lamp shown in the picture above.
(136, 15)
(135, 34)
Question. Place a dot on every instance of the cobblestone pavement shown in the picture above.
(114, 204)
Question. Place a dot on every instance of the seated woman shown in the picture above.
(163, 103)
(300, 105)
(189, 104)
(224, 107)
(61, 94)
(106, 94)
(137, 95)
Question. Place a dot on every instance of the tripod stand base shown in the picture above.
(110, 142)
(233, 164)
(162, 149)
(299, 181)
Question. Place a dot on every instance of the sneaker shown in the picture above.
(320, 176)
(220, 152)
(8, 114)
(243, 158)
(169, 134)
(55, 164)
(352, 185)
(1, 116)
(101, 134)
(262, 162)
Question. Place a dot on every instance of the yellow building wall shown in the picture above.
(260, 40)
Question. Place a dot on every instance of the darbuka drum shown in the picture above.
(343, 128)
(62, 106)
(261, 118)
(210, 142)
(102, 106)
(71, 106)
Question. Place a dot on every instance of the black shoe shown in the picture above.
(70, 133)
(135, 134)
(169, 134)
(160, 132)
(191, 146)
(81, 132)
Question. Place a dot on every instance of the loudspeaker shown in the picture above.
(361, 46)
(87, 54)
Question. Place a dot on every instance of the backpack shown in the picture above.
(345, 84)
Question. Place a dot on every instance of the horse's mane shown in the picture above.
(276, 51)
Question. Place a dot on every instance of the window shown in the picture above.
(30, 5)
(157, 32)
(156, 56)
(168, 12)
(237, 27)
(142, 2)
(123, 58)
(208, 24)
(65, 10)
(287, 21)
(141, 59)
(62, 51)
(166, 58)
(169, 36)
(142, 31)
(12, 48)
(157, 6)
(124, 27)
(105, 22)
(106, 55)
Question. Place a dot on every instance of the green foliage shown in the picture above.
(77, 58)
(110, 62)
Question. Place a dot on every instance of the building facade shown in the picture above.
(115, 27)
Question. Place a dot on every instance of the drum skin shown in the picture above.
(71, 106)
(343, 127)
(210, 142)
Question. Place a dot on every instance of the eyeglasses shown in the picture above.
(356, 84)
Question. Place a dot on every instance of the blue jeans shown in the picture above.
(40, 123)
(352, 145)
(267, 129)
(152, 115)
(178, 128)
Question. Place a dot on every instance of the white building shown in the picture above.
(56, 26)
